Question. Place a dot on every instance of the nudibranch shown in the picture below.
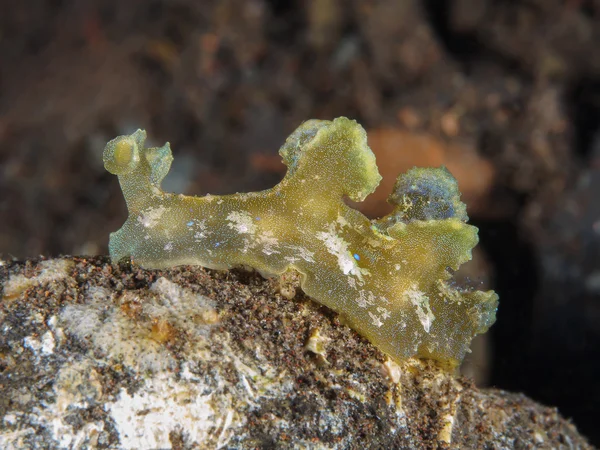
(389, 278)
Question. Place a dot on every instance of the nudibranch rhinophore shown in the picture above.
(389, 278)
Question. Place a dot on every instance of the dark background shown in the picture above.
(505, 93)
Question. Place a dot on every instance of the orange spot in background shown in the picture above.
(163, 51)
(93, 32)
(267, 163)
(399, 150)
(210, 42)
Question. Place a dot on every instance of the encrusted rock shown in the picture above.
(94, 355)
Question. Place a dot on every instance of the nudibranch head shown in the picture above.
(126, 154)
(122, 154)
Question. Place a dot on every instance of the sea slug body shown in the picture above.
(388, 277)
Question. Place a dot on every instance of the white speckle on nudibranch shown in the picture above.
(421, 304)
(387, 277)
(151, 217)
(339, 248)
(241, 221)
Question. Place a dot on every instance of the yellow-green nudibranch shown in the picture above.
(389, 278)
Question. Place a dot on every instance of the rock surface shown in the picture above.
(95, 355)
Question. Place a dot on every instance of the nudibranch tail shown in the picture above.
(389, 278)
